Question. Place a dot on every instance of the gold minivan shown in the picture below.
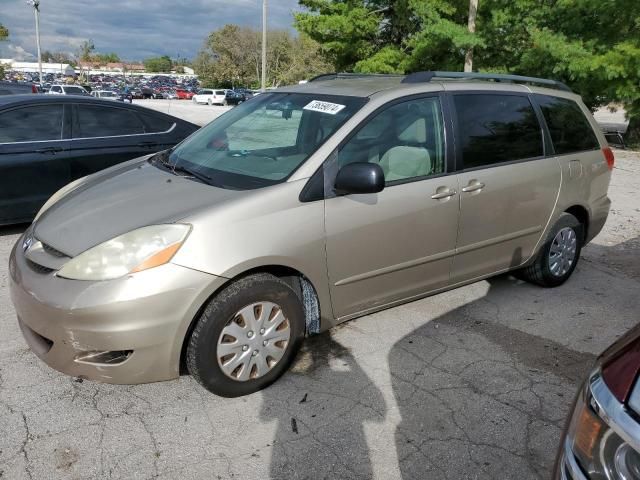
(300, 209)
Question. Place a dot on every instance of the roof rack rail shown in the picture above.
(420, 77)
(333, 76)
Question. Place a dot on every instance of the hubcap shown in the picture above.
(563, 251)
(253, 341)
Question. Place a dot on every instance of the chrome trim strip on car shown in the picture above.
(395, 268)
(93, 138)
(500, 239)
(131, 135)
(570, 464)
(612, 412)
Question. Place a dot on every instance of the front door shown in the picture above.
(400, 242)
(33, 162)
(508, 188)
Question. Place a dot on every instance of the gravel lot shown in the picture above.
(472, 383)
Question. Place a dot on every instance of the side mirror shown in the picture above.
(361, 177)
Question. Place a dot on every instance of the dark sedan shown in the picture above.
(47, 141)
(602, 438)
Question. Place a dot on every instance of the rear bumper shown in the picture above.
(145, 316)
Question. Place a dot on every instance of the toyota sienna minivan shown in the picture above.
(302, 208)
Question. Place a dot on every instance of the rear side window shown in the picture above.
(495, 128)
(27, 124)
(155, 124)
(99, 121)
(570, 130)
(220, 92)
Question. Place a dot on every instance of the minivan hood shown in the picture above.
(119, 200)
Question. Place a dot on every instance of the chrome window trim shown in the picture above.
(130, 135)
(612, 412)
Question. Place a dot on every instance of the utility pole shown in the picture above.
(36, 9)
(468, 58)
(263, 82)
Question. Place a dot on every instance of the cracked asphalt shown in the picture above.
(472, 383)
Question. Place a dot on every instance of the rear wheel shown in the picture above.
(559, 255)
(225, 103)
(210, 102)
(247, 336)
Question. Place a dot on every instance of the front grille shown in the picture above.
(38, 268)
(52, 251)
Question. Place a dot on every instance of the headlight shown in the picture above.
(135, 251)
(58, 195)
(600, 451)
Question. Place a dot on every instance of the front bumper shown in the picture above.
(146, 314)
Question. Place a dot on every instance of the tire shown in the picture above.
(210, 102)
(194, 100)
(222, 318)
(225, 103)
(540, 270)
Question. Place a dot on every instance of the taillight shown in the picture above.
(34, 89)
(620, 372)
(608, 156)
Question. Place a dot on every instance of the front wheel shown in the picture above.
(247, 336)
(559, 255)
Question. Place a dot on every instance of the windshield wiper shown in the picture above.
(175, 168)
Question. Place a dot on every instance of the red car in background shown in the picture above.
(184, 94)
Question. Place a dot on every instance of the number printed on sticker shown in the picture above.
(324, 107)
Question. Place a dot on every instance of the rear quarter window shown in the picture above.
(569, 128)
(496, 128)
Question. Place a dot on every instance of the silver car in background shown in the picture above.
(303, 208)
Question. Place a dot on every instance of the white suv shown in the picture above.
(67, 90)
(212, 97)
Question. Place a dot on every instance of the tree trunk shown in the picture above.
(468, 58)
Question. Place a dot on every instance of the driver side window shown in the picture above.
(405, 139)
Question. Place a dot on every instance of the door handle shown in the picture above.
(473, 186)
(446, 193)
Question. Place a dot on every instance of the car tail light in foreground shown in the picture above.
(608, 155)
(597, 447)
(621, 371)
(34, 89)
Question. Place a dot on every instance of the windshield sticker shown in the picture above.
(324, 107)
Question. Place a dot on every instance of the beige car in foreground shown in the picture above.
(300, 209)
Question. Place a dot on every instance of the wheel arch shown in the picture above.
(583, 216)
(300, 283)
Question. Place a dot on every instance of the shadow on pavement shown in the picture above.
(623, 257)
(320, 408)
(479, 399)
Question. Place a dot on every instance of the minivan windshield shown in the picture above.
(262, 141)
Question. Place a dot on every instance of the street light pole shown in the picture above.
(36, 9)
(263, 82)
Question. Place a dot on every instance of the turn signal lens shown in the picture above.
(608, 156)
(159, 258)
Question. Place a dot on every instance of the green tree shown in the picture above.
(232, 56)
(592, 45)
(85, 50)
(106, 57)
(158, 64)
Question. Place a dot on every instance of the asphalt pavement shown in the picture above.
(474, 383)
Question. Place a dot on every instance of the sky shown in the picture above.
(134, 29)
